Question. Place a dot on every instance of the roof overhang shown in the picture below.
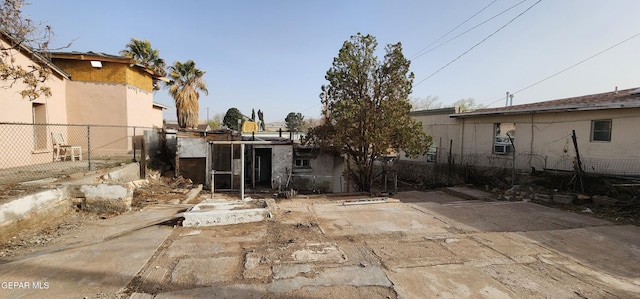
(35, 55)
(439, 111)
(164, 107)
(614, 105)
(91, 56)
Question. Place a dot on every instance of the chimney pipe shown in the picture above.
(506, 103)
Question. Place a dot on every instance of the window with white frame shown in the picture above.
(601, 130)
(302, 162)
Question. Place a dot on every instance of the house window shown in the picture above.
(302, 163)
(38, 115)
(601, 130)
(504, 135)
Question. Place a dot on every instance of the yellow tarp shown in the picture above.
(249, 127)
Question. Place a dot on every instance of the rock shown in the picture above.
(583, 197)
(542, 197)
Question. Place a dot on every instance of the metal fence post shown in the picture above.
(89, 145)
(134, 144)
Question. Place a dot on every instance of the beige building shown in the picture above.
(110, 92)
(542, 134)
(444, 130)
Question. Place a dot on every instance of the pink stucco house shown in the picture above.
(111, 93)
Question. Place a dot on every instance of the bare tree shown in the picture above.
(426, 103)
(468, 104)
(216, 121)
(22, 35)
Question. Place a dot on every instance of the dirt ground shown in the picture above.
(296, 234)
(311, 240)
(162, 190)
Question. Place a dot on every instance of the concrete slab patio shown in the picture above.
(102, 258)
(429, 245)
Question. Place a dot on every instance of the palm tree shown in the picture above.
(144, 54)
(185, 82)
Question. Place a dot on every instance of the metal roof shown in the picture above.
(628, 98)
(35, 55)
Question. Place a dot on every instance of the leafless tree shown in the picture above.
(19, 34)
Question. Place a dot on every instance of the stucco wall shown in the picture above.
(339, 182)
(140, 113)
(18, 143)
(100, 104)
(156, 117)
(281, 161)
(114, 95)
(544, 140)
(319, 176)
(442, 129)
(17, 109)
(96, 103)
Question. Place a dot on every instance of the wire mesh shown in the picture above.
(38, 151)
(525, 161)
(446, 167)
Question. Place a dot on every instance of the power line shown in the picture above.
(465, 21)
(572, 66)
(311, 107)
(482, 41)
(465, 32)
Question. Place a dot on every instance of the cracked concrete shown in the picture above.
(437, 245)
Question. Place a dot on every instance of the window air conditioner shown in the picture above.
(502, 148)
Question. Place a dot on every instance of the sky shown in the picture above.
(273, 55)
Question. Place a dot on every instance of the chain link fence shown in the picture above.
(37, 151)
(445, 167)
(525, 161)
